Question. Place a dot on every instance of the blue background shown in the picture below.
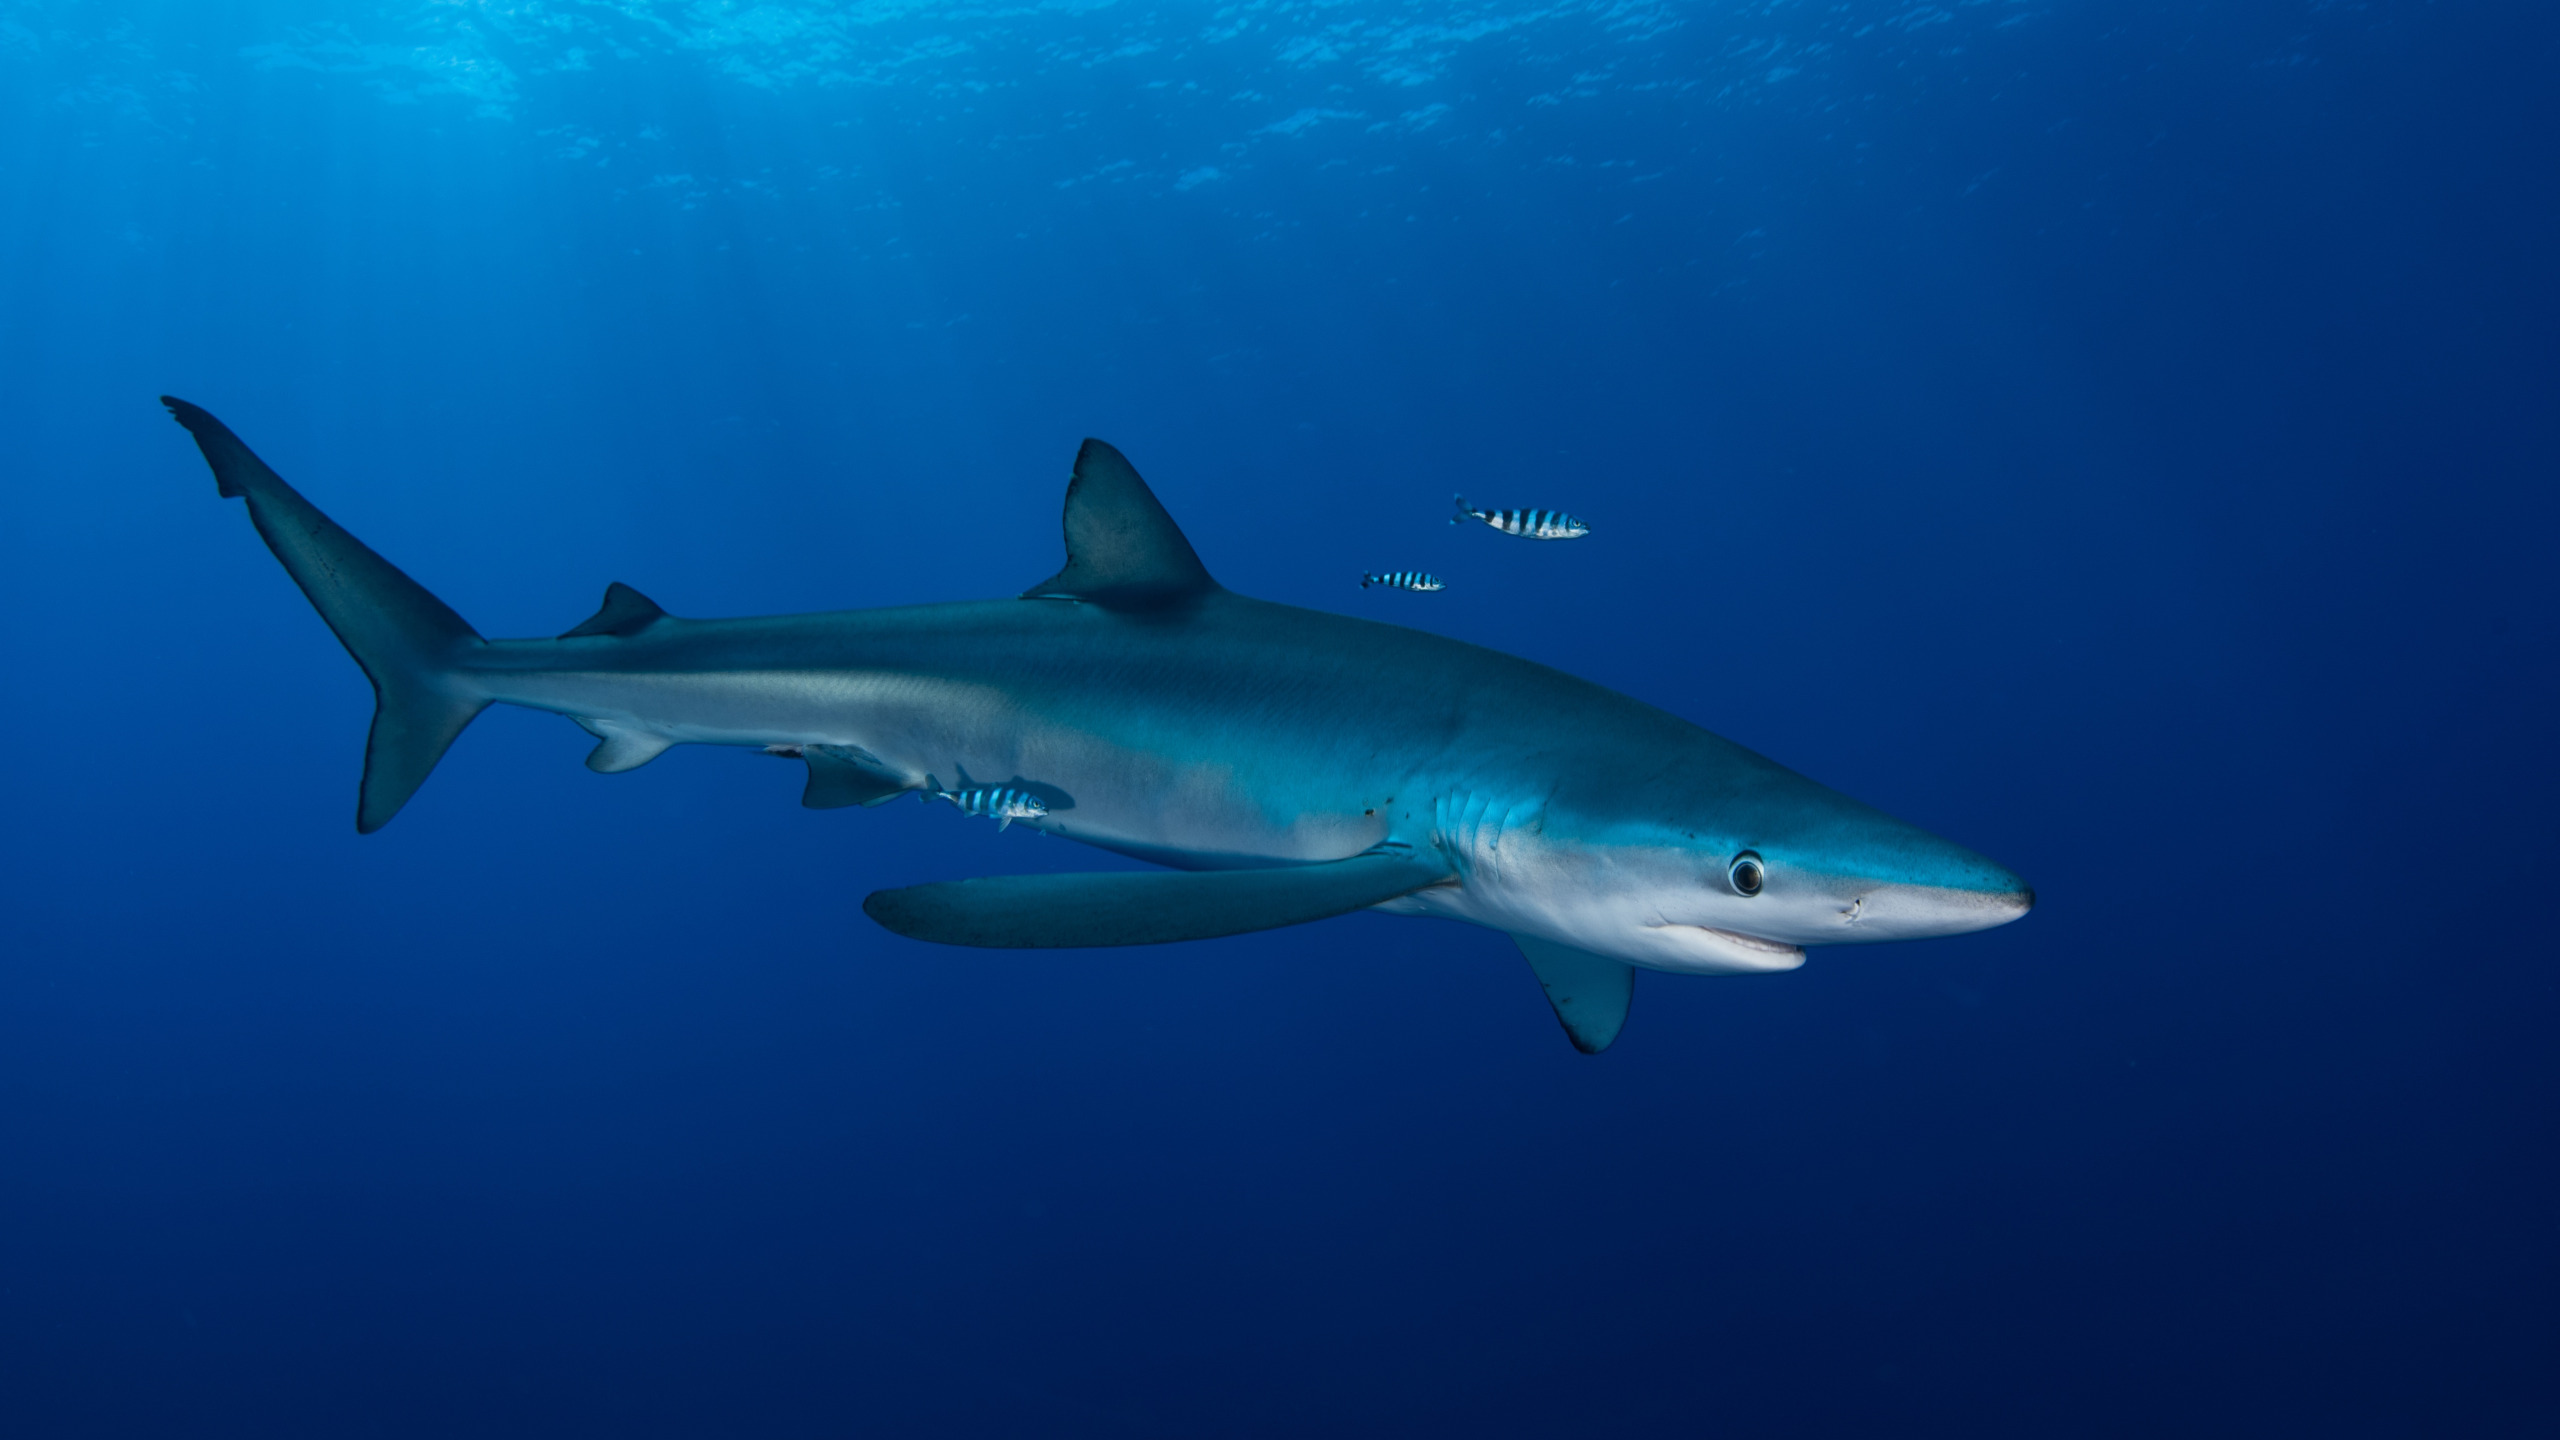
(2116, 436)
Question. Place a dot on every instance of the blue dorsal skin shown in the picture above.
(1164, 717)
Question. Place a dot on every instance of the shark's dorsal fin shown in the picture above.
(1589, 992)
(1122, 548)
(626, 612)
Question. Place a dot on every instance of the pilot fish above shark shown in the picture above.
(1290, 765)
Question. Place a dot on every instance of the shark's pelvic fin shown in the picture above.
(1123, 550)
(407, 640)
(841, 775)
(1589, 992)
(1147, 908)
(626, 613)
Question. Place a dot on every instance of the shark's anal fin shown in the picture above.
(841, 775)
(1589, 992)
(1147, 907)
(1123, 550)
(626, 612)
(622, 747)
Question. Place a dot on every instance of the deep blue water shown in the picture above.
(2116, 436)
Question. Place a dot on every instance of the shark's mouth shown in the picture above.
(1728, 951)
(1747, 942)
(1734, 939)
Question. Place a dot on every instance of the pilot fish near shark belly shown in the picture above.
(1288, 765)
(1003, 802)
(1402, 580)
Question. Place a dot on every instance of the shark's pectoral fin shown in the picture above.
(1123, 550)
(623, 747)
(1147, 908)
(626, 613)
(1589, 992)
(841, 775)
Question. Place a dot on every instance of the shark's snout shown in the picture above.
(1981, 910)
(1866, 877)
(1907, 911)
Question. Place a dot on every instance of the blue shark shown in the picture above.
(1284, 765)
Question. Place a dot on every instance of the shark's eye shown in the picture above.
(1747, 874)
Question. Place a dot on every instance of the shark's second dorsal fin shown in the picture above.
(626, 612)
(1122, 548)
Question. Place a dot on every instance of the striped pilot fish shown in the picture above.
(1004, 803)
(1535, 524)
(1403, 580)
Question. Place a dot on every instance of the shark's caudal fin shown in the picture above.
(1589, 992)
(1021, 912)
(406, 639)
(1123, 550)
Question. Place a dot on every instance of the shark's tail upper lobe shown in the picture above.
(410, 644)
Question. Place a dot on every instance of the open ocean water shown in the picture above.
(2116, 436)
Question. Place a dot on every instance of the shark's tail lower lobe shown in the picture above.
(410, 643)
